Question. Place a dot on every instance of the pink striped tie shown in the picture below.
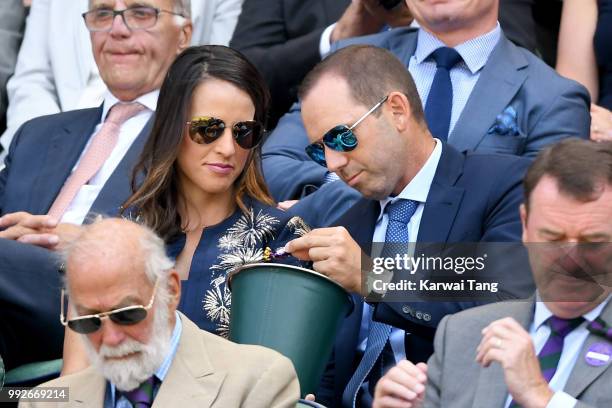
(97, 153)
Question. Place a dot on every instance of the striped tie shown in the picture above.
(371, 365)
(551, 352)
(142, 396)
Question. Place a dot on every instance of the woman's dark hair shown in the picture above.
(158, 198)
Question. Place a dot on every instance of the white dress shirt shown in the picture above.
(417, 190)
(540, 331)
(129, 131)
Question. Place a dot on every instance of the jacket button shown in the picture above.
(426, 317)
(419, 315)
(406, 309)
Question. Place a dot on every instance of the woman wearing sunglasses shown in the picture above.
(203, 192)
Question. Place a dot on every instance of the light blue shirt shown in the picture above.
(417, 190)
(464, 75)
(540, 331)
(162, 371)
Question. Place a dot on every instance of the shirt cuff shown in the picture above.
(561, 399)
(325, 42)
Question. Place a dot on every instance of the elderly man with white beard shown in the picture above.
(123, 293)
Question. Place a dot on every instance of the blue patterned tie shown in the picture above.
(399, 213)
(440, 99)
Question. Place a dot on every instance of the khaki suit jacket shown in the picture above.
(207, 371)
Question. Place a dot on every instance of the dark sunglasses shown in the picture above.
(124, 316)
(206, 129)
(341, 138)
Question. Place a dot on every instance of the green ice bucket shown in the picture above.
(292, 310)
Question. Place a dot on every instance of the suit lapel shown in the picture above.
(191, 376)
(491, 390)
(90, 389)
(504, 69)
(65, 148)
(117, 188)
(583, 374)
(444, 198)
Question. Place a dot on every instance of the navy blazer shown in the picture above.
(549, 108)
(40, 159)
(473, 198)
(42, 155)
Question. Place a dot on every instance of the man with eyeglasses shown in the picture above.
(123, 292)
(365, 122)
(63, 166)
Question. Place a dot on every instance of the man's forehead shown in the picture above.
(328, 104)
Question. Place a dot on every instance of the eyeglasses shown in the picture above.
(206, 129)
(124, 316)
(341, 138)
(134, 18)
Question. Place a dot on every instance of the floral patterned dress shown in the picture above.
(238, 240)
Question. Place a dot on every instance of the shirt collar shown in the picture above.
(474, 52)
(542, 312)
(419, 186)
(148, 100)
(162, 371)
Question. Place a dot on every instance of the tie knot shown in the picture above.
(446, 57)
(401, 210)
(121, 112)
(142, 396)
(562, 327)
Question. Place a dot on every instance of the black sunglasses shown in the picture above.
(341, 138)
(124, 316)
(206, 129)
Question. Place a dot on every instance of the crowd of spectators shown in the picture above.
(150, 148)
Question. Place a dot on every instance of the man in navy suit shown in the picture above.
(415, 188)
(133, 54)
(504, 99)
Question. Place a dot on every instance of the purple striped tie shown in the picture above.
(142, 396)
(551, 352)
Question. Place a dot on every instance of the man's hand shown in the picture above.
(601, 123)
(40, 230)
(333, 253)
(506, 342)
(285, 205)
(402, 387)
(364, 17)
(22, 226)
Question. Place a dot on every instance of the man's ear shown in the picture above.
(523, 214)
(400, 110)
(185, 36)
(174, 288)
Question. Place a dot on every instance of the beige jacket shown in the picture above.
(207, 371)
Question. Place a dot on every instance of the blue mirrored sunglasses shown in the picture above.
(341, 138)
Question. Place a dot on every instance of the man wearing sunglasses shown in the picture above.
(479, 92)
(123, 292)
(365, 123)
(61, 167)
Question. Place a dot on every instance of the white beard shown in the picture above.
(129, 373)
